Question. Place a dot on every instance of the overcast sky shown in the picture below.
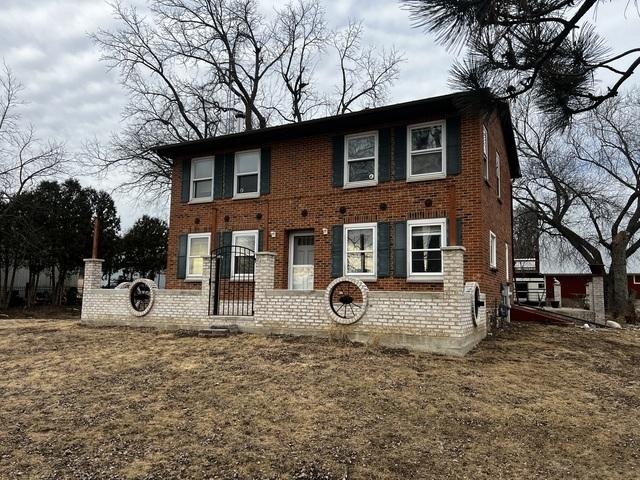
(72, 96)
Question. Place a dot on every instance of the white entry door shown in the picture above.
(301, 261)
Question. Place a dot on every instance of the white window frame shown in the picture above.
(427, 176)
(507, 267)
(359, 226)
(493, 250)
(485, 153)
(442, 223)
(192, 180)
(498, 176)
(634, 280)
(256, 194)
(242, 233)
(188, 275)
(361, 183)
(292, 237)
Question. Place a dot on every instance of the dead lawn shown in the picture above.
(534, 402)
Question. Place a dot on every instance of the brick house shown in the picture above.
(401, 214)
(372, 194)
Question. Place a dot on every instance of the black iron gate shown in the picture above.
(231, 281)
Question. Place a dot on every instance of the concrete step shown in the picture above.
(219, 331)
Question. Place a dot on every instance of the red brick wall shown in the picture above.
(301, 179)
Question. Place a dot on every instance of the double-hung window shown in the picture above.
(201, 179)
(197, 247)
(245, 244)
(426, 239)
(426, 152)
(247, 174)
(493, 262)
(485, 153)
(360, 250)
(498, 176)
(361, 159)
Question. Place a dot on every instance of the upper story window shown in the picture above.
(360, 250)
(426, 148)
(247, 174)
(498, 176)
(361, 159)
(201, 179)
(485, 153)
(426, 239)
(243, 261)
(197, 247)
(493, 262)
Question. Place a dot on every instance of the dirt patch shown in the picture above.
(41, 312)
(533, 402)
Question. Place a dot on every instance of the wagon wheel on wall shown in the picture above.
(140, 297)
(346, 300)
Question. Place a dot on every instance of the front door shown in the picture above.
(301, 261)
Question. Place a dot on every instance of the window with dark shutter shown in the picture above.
(400, 249)
(265, 170)
(383, 249)
(338, 160)
(186, 180)
(336, 251)
(399, 152)
(181, 272)
(454, 160)
(384, 154)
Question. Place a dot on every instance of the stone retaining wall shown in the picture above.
(426, 321)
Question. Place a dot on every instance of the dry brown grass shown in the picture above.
(534, 402)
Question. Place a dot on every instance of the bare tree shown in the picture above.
(192, 67)
(365, 74)
(24, 159)
(302, 31)
(585, 186)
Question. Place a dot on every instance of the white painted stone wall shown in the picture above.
(427, 321)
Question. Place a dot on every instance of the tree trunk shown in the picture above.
(14, 268)
(619, 289)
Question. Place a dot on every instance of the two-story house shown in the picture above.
(372, 194)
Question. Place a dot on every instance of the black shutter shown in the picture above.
(453, 146)
(400, 153)
(218, 176)
(336, 251)
(229, 163)
(384, 155)
(260, 240)
(383, 249)
(224, 240)
(182, 256)
(186, 180)
(265, 170)
(400, 249)
(459, 231)
(338, 160)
